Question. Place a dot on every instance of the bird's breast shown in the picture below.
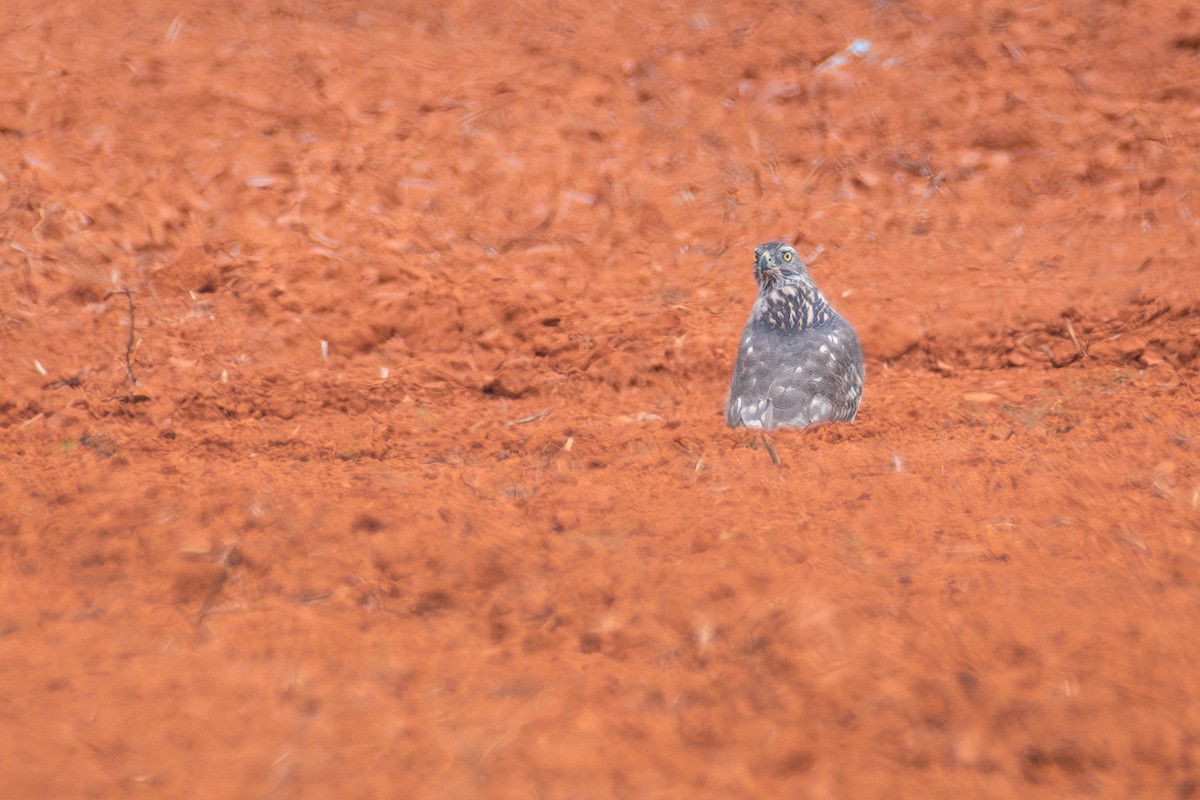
(791, 308)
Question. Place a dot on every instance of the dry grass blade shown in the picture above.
(771, 449)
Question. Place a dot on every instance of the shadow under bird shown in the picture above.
(799, 362)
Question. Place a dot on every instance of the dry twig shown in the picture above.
(132, 335)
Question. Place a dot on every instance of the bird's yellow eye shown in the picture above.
(787, 256)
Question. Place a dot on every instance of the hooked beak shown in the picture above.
(765, 270)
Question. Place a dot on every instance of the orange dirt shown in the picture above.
(499, 542)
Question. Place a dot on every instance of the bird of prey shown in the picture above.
(799, 362)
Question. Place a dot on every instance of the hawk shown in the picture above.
(799, 362)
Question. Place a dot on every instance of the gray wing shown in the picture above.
(796, 379)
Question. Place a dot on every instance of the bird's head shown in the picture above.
(777, 262)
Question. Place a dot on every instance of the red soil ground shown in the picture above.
(499, 542)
